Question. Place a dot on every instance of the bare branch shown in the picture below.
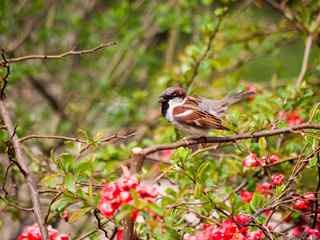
(100, 226)
(5, 78)
(56, 137)
(57, 56)
(21, 160)
(316, 204)
(205, 53)
(140, 154)
(305, 61)
(288, 14)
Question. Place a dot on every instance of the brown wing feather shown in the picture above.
(196, 118)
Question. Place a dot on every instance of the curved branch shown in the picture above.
(56, 56)
(38, 136)
(22, 162)
(140, 154)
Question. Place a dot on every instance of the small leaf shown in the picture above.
(61, 203)
(262, 145)
(70, 183)
(52, 180)
(67, 162)
(76, 215)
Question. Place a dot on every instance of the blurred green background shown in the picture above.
(158, 43)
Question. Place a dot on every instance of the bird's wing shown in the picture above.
(219, 107)
(190, 114)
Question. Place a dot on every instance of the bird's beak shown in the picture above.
(162, 99)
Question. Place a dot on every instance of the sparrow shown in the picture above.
(194, 115)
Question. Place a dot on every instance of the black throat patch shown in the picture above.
(164, 108)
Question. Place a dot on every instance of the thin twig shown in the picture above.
(5, 78)
(38, 136)
(100, 226)
(5, 179)
(305, 61)
(317, 194)
(205, 53)
(57, 56)
(46, 219)
(11, 203)
(288, 14)
(114, 233)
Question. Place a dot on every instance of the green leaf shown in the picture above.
(67, 161)
(52, 180)
(76, 215)
(61, 203)
(262, 145)
(257, 201)
(70, 183)
(158, 210)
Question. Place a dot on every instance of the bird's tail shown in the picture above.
(231, 99)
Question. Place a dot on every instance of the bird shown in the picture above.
(194, 115)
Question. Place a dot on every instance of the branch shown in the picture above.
(73, 139)
(312, 34)
(5, 78)
(140, 154)
(57, 56)
(38, 136)
(205, 53)
(289, 15)
(316, 204)
(100, 226)
(305, 61)
(21, 160)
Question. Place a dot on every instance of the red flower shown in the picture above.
(251, 88)
(296, 232)
(116, 194)
(312, 232)
(242, 219)
(106, 208)
(301, 204)
(165, 154)
(63, 237)
(33, 233)
(230, 229)
(292, 118)
(257, 235)
(246, 196)
(309, 196)
(120, 234)
(274, 158)
(251, 161)
(264, 188)
(277, 179)
(66, 215)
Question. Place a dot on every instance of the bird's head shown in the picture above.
(172, 93)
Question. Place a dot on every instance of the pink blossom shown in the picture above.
(301, 204)
(264, 188)
(274, 158)
(33, 233)
(296, 232)
(246, 196)
(116, 194)
(251, 161)
(257, 235)
(277, 179)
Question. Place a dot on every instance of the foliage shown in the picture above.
(66, 109)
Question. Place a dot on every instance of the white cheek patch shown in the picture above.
(173, 103)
